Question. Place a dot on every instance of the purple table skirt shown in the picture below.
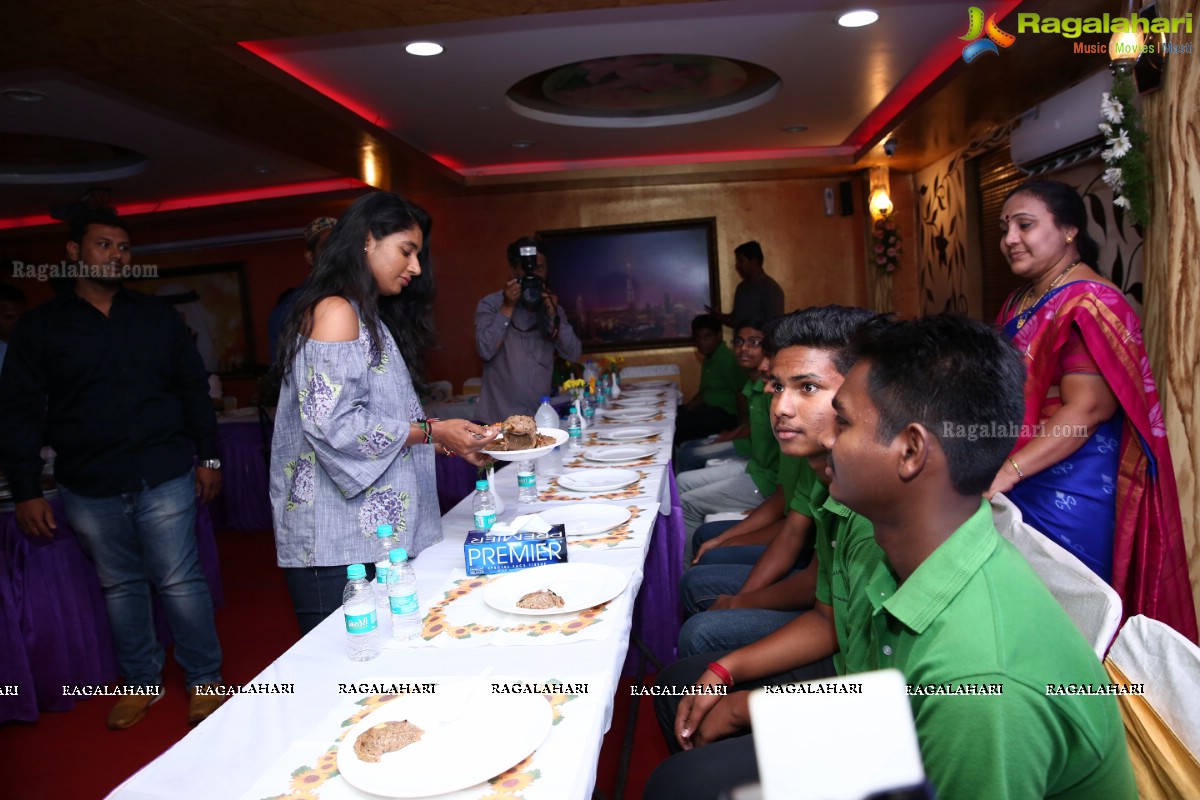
(244, 503)
(53, 625)
(658, 614)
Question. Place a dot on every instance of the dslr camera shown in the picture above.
(532, 285)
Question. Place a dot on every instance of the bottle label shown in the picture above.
(381, 571)
(404, 604)
(361, 623)
(484, 522)
(574, 433)
(526, 480)
(589, 412)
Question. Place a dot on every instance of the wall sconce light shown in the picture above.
(1123, 51)
(880, 203)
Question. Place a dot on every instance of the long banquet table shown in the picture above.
(283, 745)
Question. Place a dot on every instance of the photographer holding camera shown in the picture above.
(517, 332)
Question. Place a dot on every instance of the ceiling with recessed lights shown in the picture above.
(165, 104)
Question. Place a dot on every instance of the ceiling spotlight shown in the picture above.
(795, 129)
(24, 95)
(423, 48)
(521, 144)
(857, 19)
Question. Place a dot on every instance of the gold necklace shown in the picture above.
(1028, 301)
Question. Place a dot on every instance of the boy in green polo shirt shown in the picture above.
(714, 408)
(953, 604)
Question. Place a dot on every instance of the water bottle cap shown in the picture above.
(356, 571)
(398, 555)
(545, 399)
(383, 531)
(481, 486)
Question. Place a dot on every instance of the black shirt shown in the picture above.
(121, 398)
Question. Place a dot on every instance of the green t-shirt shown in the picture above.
(974, 614)
(721, 378)
(846, 553)
(763, 450)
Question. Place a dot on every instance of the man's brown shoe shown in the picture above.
(200, 705)
(130, 709)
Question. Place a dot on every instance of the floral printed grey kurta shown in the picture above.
(339, 466)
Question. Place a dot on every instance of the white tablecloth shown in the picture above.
(246, 746)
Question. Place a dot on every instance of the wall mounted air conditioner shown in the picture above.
(1062, 130)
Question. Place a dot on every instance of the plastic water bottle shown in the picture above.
(590, 370)
(589, 409)
(402, 596)
(484, 507)
(546, 416)
(386, 542)
(575, 429)
(526, 482)
(362, 617)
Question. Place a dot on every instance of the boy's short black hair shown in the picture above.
(78, 224)
(822, 327)
(706, 322)
(959, 378)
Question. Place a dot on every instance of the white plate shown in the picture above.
(642, 393)
(633, 386)
(586, 519)
(627, 434)
(559, 435)
(580, 585)
(597, 480)
(613, 455)
(637, 402)
(629, 414)
(454, 754)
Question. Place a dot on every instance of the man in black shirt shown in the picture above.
(111, 380)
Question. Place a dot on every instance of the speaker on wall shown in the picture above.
(846, 189)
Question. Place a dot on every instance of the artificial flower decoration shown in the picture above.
(1125, 153)
(887, 244)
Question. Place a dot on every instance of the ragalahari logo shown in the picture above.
(977, 28)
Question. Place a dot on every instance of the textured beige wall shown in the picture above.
(1172, 265)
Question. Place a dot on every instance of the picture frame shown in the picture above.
(214, 302)
(637, 286)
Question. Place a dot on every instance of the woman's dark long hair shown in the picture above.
(342, 270)
(1066, 206)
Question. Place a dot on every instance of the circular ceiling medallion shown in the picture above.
(641, 91)
(35, 159)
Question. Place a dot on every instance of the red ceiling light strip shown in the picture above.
(939, 60)
(203, 200)
(279, 61)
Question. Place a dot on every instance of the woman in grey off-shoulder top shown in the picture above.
(352, 449)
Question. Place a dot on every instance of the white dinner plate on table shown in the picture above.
(459, 747)
(558, 435)
(641, 393)
(580, 585)
(637, 402)
(631, 434)
(629, 414)
(597, 480)
(633, 386)
(619, 453)
(586, 519)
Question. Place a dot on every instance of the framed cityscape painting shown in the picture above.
(628, 287)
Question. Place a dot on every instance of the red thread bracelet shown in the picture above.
(721, 672)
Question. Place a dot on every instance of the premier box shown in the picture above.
(489, 553)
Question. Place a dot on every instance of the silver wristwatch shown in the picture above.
(211, 463)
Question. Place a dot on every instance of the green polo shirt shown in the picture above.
(763, 447)
(801, 485)
(721, 378)
(974, 614)
(846, 554)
